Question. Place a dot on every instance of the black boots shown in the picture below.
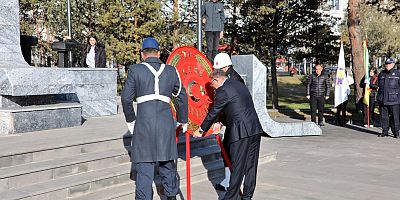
(171, 198)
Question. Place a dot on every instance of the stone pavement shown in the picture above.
(343, 164)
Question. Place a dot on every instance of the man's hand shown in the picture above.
(221, 35)
(184, 126)
(204, 20)
(197, 133)
(327, 97)
(131, 126)
(216, 128)
(308, 97)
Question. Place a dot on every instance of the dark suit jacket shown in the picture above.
(234, 99)
(232, 74)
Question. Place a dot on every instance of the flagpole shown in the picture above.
(368, 115)
(343, 114)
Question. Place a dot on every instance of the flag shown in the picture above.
(342, 88)
(366, 69)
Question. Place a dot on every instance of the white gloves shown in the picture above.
(184, 126)
(131, 126)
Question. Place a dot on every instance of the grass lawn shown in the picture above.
(292, 94)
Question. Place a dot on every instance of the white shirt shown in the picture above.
(90, 58)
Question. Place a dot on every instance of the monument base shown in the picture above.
(255, 75)
(42, 117)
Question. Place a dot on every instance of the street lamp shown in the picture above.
(69, 30)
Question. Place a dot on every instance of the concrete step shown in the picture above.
(120, 191)
(40, 117)
(65, 149)
(33, 173)
(71, 186)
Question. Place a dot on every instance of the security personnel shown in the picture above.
(153, 84)
(223, 62)
(389, 98)
(243, 132)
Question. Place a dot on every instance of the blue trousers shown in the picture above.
(145, 177)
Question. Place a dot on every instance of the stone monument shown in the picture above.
(255, 75)
(33, 99)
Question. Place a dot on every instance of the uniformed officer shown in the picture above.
(153, 84)
(389, 98)
(223, 62)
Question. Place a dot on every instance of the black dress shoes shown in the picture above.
(383, 135)
(171, 198)
(220, 187)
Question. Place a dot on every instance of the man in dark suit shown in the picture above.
(223, 62)
(153, 84)
(243, 130)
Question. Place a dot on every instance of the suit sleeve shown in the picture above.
(181, 100)
(127, 96)
(221, 99)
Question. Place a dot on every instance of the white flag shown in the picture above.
(342, 88)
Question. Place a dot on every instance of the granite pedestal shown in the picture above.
(255, 75)
(96, 90)
(27, 101)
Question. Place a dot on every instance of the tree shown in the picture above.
(121, 25)
(356, 45)
(382, 27)
(270, 28)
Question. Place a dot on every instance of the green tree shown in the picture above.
(270, 28)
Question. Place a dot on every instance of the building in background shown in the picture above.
(336, 10)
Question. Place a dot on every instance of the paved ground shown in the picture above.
(343, 164)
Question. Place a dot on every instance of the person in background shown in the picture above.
(389, 98)
(373, 87)
(95, 54)
(213, 17)
(318, 89)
